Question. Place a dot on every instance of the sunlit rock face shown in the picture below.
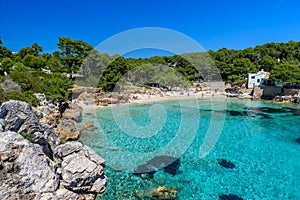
(35, 165)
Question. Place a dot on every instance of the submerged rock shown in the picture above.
(140, 194)
(225, 163)
(229, 197)
(89, 126)
(164, 193)
(298, 140)
(167, 163)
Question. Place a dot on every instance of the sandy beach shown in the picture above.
(144, 98)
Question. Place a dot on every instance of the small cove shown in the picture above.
(258, 138)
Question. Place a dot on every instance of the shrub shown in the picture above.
(28, 136)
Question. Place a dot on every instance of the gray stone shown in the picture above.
(26, 170)
(2, 122)
(43, 111)
(44, 169)
(82, 170)
(68, 129)
(19, 117)
(53, 138)
(73, 112)
(59, 194)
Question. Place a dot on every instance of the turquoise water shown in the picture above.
(258, 137)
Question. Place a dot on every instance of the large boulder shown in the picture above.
(52, 119)
(19, 117)
(25, 170)
(73, 112)
(68, 129)
(52, 138)
(65, 194)
(81, 169)
(43, 169)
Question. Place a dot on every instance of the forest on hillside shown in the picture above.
(31, 71)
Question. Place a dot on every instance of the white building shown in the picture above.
(256, 79)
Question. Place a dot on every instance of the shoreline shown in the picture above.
(143, 99)
(155, 98)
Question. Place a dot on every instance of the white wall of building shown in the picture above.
(255, 79)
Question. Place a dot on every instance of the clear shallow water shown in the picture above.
(257, 136)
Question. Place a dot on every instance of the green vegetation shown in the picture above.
(280, 59)
(31, 71)
(28, 136)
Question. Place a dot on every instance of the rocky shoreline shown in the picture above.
(35, 164)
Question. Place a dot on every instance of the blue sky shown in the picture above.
(234, 24)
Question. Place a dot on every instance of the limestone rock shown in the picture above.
(73, 112)
(42, 111)
(44, 169)
(68, 130)
(52, 119)
(26, 170)
(53, 138)
(65, 194)
(19, 117)
(82, 170)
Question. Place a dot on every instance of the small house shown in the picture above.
(255, 79)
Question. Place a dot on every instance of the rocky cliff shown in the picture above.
(35, 165)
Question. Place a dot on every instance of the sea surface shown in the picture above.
(255, 139)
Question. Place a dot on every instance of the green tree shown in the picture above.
(55, 65)
(26, 51)
(72, 53)
(243, 66)
(285, 73)
(4, 52)
(34, 50)
(267, 63)
(6, 64)
(27, 60)
(37, 63)
(112, 74)
(37, 48)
